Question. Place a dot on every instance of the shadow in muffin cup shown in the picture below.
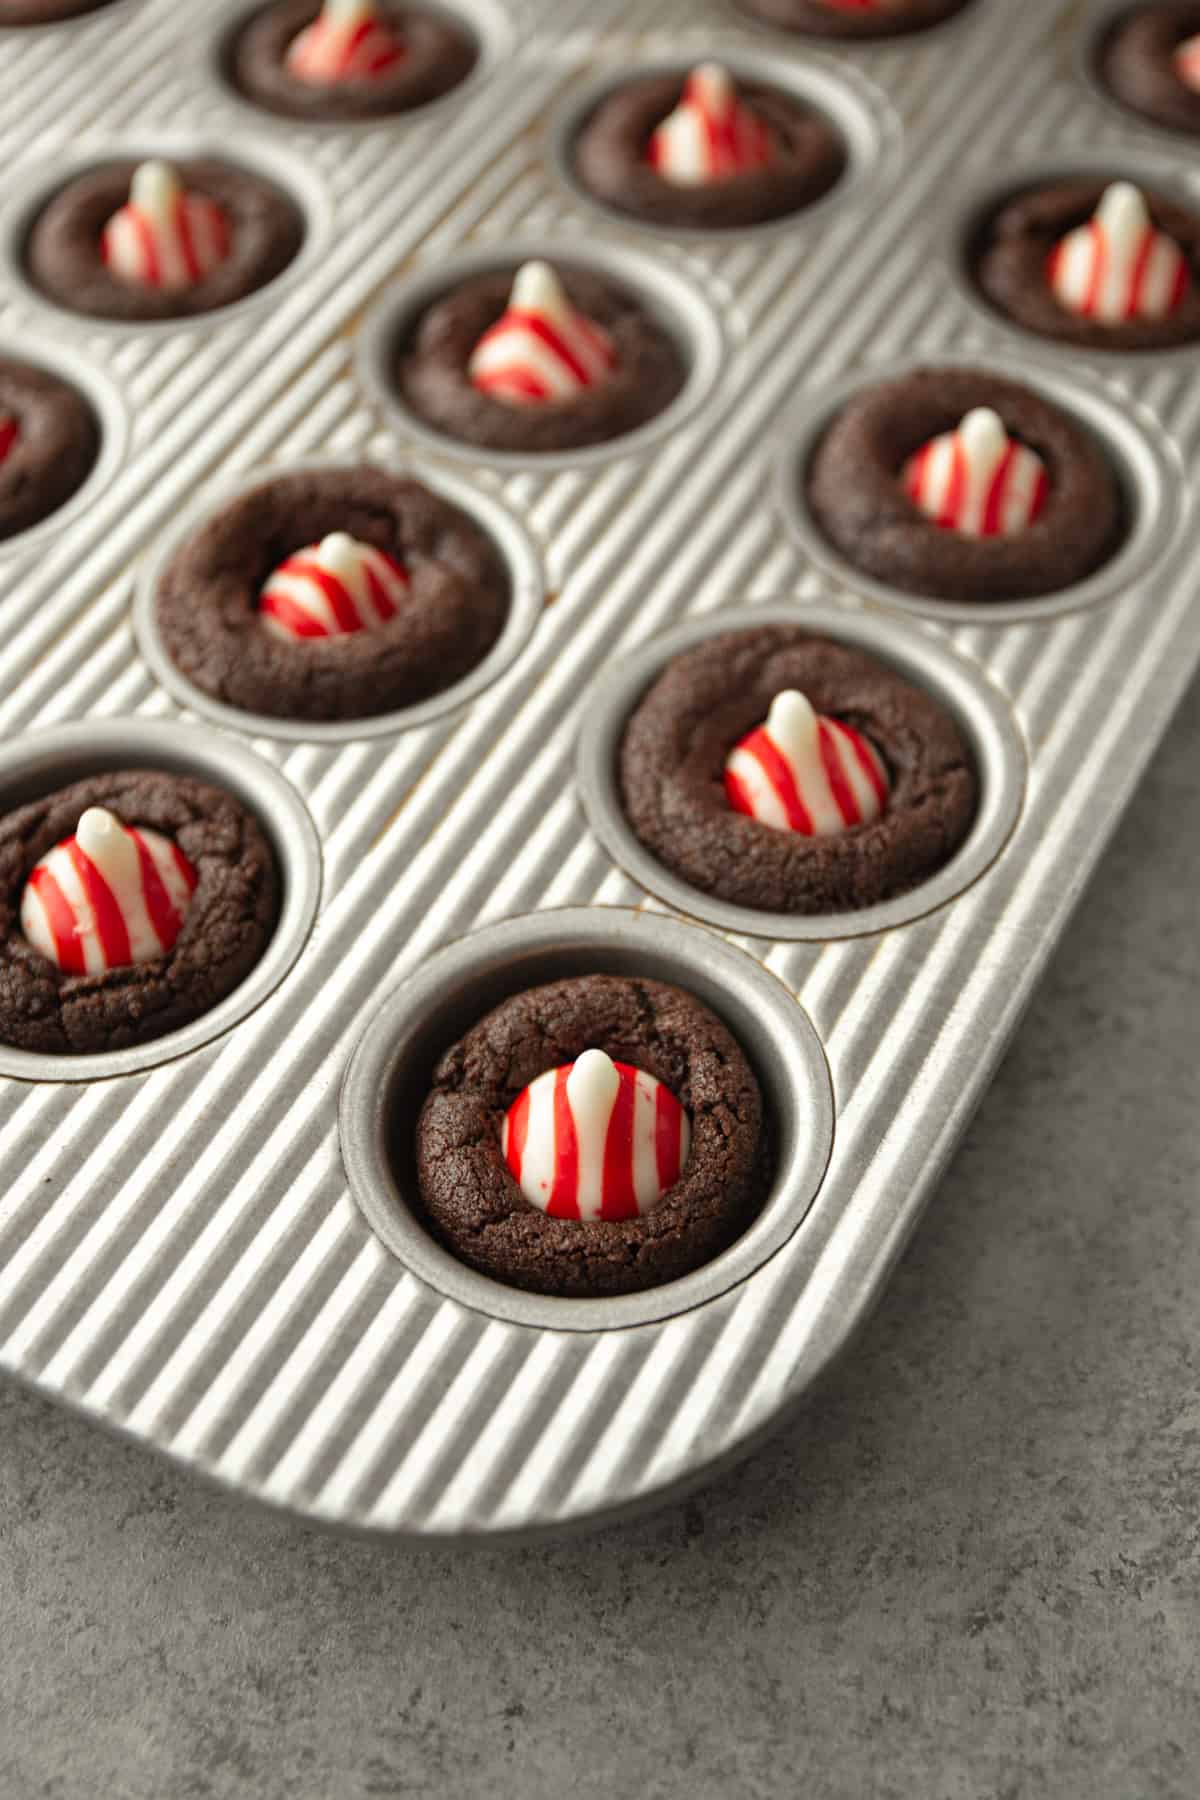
(979, 709)
(1148, 470)
(391, 1072)
(47, 760)
(673, 301)
(513, 545)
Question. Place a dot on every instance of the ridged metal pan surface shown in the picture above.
(181, 1253)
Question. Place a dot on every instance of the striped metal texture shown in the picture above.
(180, 1256)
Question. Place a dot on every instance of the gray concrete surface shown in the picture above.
(970, 1572)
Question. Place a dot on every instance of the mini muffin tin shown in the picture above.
(204, 1245)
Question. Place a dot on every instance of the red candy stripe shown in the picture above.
(564, 1196)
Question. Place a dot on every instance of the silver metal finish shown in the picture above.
(42, 761)
(981, 711)
(678, 304)
(389, 1078)
(509, 536)
(1147, 464)
(181, 1254)
(108, 405)
(860, 112)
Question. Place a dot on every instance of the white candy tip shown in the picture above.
(155, 185)
(1123, 205)
(338, 551)
(536, 288)
(713, 79)
(96, 831)
(593, 1082)
(348, 12)
(982, 432)
(791, 717)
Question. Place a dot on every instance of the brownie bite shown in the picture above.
(538, 359)
(292, 60)
(852, 18)
(1149, 59)
(861, 493)
(888, 797)
(131, 903)
(332, 593)
(1100, 264)
(140, 243)
(49, 443)
(541, 1098)
(703, 152)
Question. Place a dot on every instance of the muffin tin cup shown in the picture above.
(984, 194)
(859, 111)
(980, 710)
(510, 538)
(676, 302)
(389, 1075)
(492, 25)
(1089, 42)
(286, 170)
(1148, 468)
(47, 760)
(112, 416)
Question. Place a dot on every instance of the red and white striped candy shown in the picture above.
(1118, 267)
(595, 1140)
(164, 237)
(10, 433)
(1187, 63)
(801, 772)
(333, 588)
(350, 40)
(710, 136)
(541, 348)
(108, 897)
(978, 480)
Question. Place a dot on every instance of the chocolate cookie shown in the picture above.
(432, 369)
(857, 497)
(475, 1208)
(610, 157)
(230, 921)
(830, 18)
(1012, 250)
(672, 760)
(46, 12)
(63, 250)
(438, 55)
(1137, 63)
(455, 608)
(53, 451)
